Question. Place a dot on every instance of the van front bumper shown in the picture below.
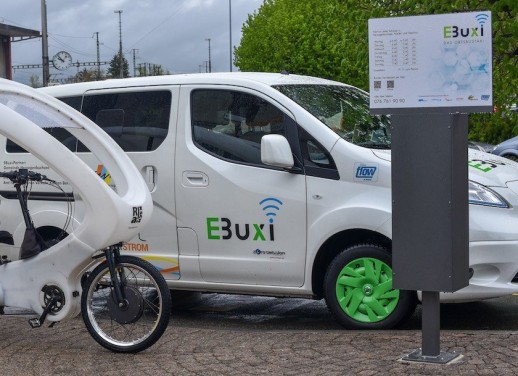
(495, 272)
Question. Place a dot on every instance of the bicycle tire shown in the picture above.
(139, 325)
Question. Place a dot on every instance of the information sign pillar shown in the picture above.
(428, 73)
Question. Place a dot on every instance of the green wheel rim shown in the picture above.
(364, 290)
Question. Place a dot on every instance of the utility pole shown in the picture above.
(120, 43)
(210, 64)
(98, 57)
(45, 44)
(134, 62)
(230, 31)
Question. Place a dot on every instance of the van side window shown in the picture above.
(317, 160)
(137, 121)
(74, 102)
(230, 124)
(62, 135)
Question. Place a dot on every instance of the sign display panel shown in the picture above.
(441, 61)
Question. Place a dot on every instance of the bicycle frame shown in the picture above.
(110, 217)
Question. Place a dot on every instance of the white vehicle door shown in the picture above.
(141, 121)
(249, 218)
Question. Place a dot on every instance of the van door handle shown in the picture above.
(150, 177)
(194, 179)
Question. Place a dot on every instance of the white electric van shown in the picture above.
(270, 184)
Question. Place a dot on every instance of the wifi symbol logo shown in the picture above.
(482, 18)
(271, 206)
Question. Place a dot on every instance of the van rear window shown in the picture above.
(137, 121)
(62, 135)
(74, 102)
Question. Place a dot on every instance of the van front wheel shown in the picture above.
(359, 293)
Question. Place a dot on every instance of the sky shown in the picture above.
(172, 33)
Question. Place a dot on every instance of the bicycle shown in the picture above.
(124, 301)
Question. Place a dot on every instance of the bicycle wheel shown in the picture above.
(138, 324)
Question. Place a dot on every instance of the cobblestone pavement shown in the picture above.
(68, 349)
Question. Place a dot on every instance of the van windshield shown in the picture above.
(343, 109)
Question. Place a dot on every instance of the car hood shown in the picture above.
(512, 142)
(484, 168)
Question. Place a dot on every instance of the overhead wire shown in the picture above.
(174, 13)
(69, 47)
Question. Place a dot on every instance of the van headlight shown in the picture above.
(481, 195)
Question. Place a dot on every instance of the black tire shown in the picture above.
(511, 157)
(139, 325)
(358, 289)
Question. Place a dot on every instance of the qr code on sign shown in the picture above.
(377, 84)
(390, 84)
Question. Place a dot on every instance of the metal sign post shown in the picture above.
(428, 73)
(430, 215)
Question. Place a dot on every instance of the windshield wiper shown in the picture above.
(375, 145)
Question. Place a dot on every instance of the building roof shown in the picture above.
(18, 32)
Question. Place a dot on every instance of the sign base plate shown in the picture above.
(442, 358)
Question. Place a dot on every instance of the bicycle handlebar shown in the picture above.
(23, 175)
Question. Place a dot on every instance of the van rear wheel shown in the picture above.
(358, 289)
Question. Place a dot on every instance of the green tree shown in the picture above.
(313, 37)
(86, 75)
(34, 81)
(330, 39)
(115, 67)
(151, 70)
(157, 70)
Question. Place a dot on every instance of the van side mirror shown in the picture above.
(276, 151)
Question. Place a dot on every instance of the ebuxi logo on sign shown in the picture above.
(482, 18)
(224, 229)
(454, 31)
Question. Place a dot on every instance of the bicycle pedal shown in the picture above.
(34, 323)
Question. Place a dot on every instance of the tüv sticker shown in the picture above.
(366, 172)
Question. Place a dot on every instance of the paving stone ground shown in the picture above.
(68, 349)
